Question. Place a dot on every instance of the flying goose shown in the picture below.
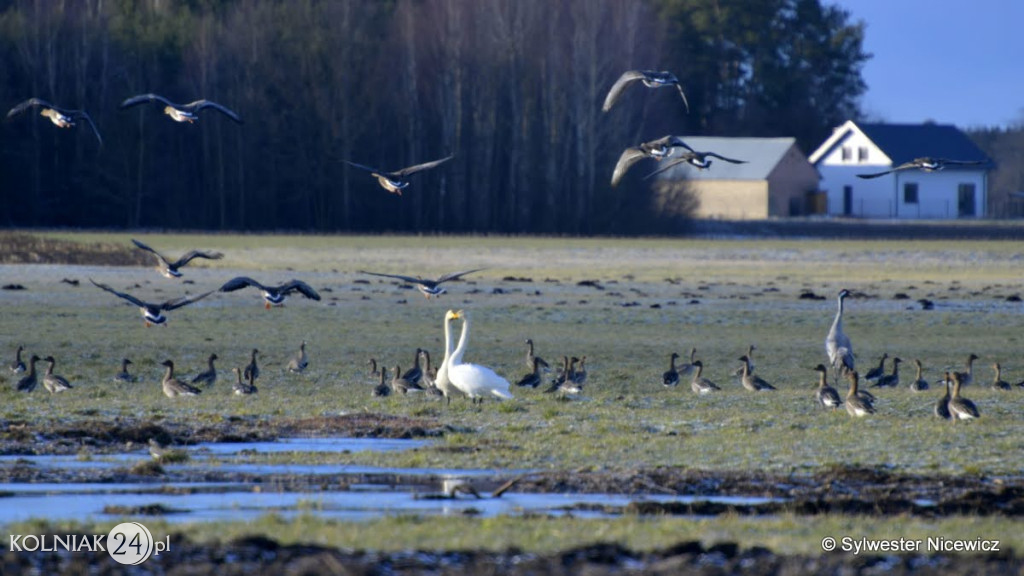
(671, 376)
(998, 383)
(124, 375)
(942, 404)
(878, 371)
(426, 286)
(856, 405)
(300, 361)
(533, 378)
(395, 182)
(209, 376)
(54, 383)
(61, 117)
(173, 387)
(252, 369)
(826, 395)
(926, 164)
(961, 408)
(153, 313)
(752, 381)
(650, 79)
(837, 344)
(272, 295)
(17, 366)
(28, 382)
(657, 149)
(530, 357)
(919, 384)
(181, 112)
(891, 380)
(168, 268)
(699, 384)
(698, 160)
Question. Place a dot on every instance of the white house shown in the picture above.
(863, 148)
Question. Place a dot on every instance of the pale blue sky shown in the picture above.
(953, 61)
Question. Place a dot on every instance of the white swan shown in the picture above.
(442, 381)
(471, 379)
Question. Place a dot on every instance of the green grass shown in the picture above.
(626, 419)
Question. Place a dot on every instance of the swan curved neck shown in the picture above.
(463, 341)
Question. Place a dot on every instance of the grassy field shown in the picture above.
(656, 297)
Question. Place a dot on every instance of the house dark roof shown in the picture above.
(904, 142)
(762, 155)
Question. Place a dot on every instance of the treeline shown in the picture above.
(513, 88)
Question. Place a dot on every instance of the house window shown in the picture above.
(862, 154)
(910, 193)
(847, 153)
(965, 200)
(847, 200)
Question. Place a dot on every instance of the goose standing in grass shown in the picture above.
(997, 382)
(209, 376)
(28, 382)
(657, 149)
(272, 295)
(856, 405)
(153, 312)
(967, 377)
(530, 357)
(671, 376)
(750, 362)
(878, 371)
(299, 361)
(395, 182)
(173, 387)
(426, 286)
(124, 375)
(374, 371)
(52, 382)
(402, 384)
(942, 404)
(925, 165)
(17, 366)
(827, 396)
(688, 368)
(181, 112)
(169, 268)
(252, 369)
(837, 344)
(699, 384)
(382, 389)
(429, 380)
(565, 384)
(752, 381)
(62, 118)
(241, 388)
(532, 379)
(649, 78)
(891, 380)
(919, 384)
(474, 380)
(961, 408)
(414, 374)
(579, 375)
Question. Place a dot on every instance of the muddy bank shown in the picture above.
(266, 556)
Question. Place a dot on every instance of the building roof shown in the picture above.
(904, 142)
(762, 156)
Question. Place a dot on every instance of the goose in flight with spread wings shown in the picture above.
(650, 78)
(395, 182)
(425, 285)
(272, 295)
(153, 312)
(657, 149)
(924, 164)
(170, 268)
(181, 112)
(694, 158)
(61, 117)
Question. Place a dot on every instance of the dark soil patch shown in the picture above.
(263, 555)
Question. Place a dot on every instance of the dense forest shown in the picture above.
(512, 88)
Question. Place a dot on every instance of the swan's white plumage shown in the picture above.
(472, 380)
(442, 381)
